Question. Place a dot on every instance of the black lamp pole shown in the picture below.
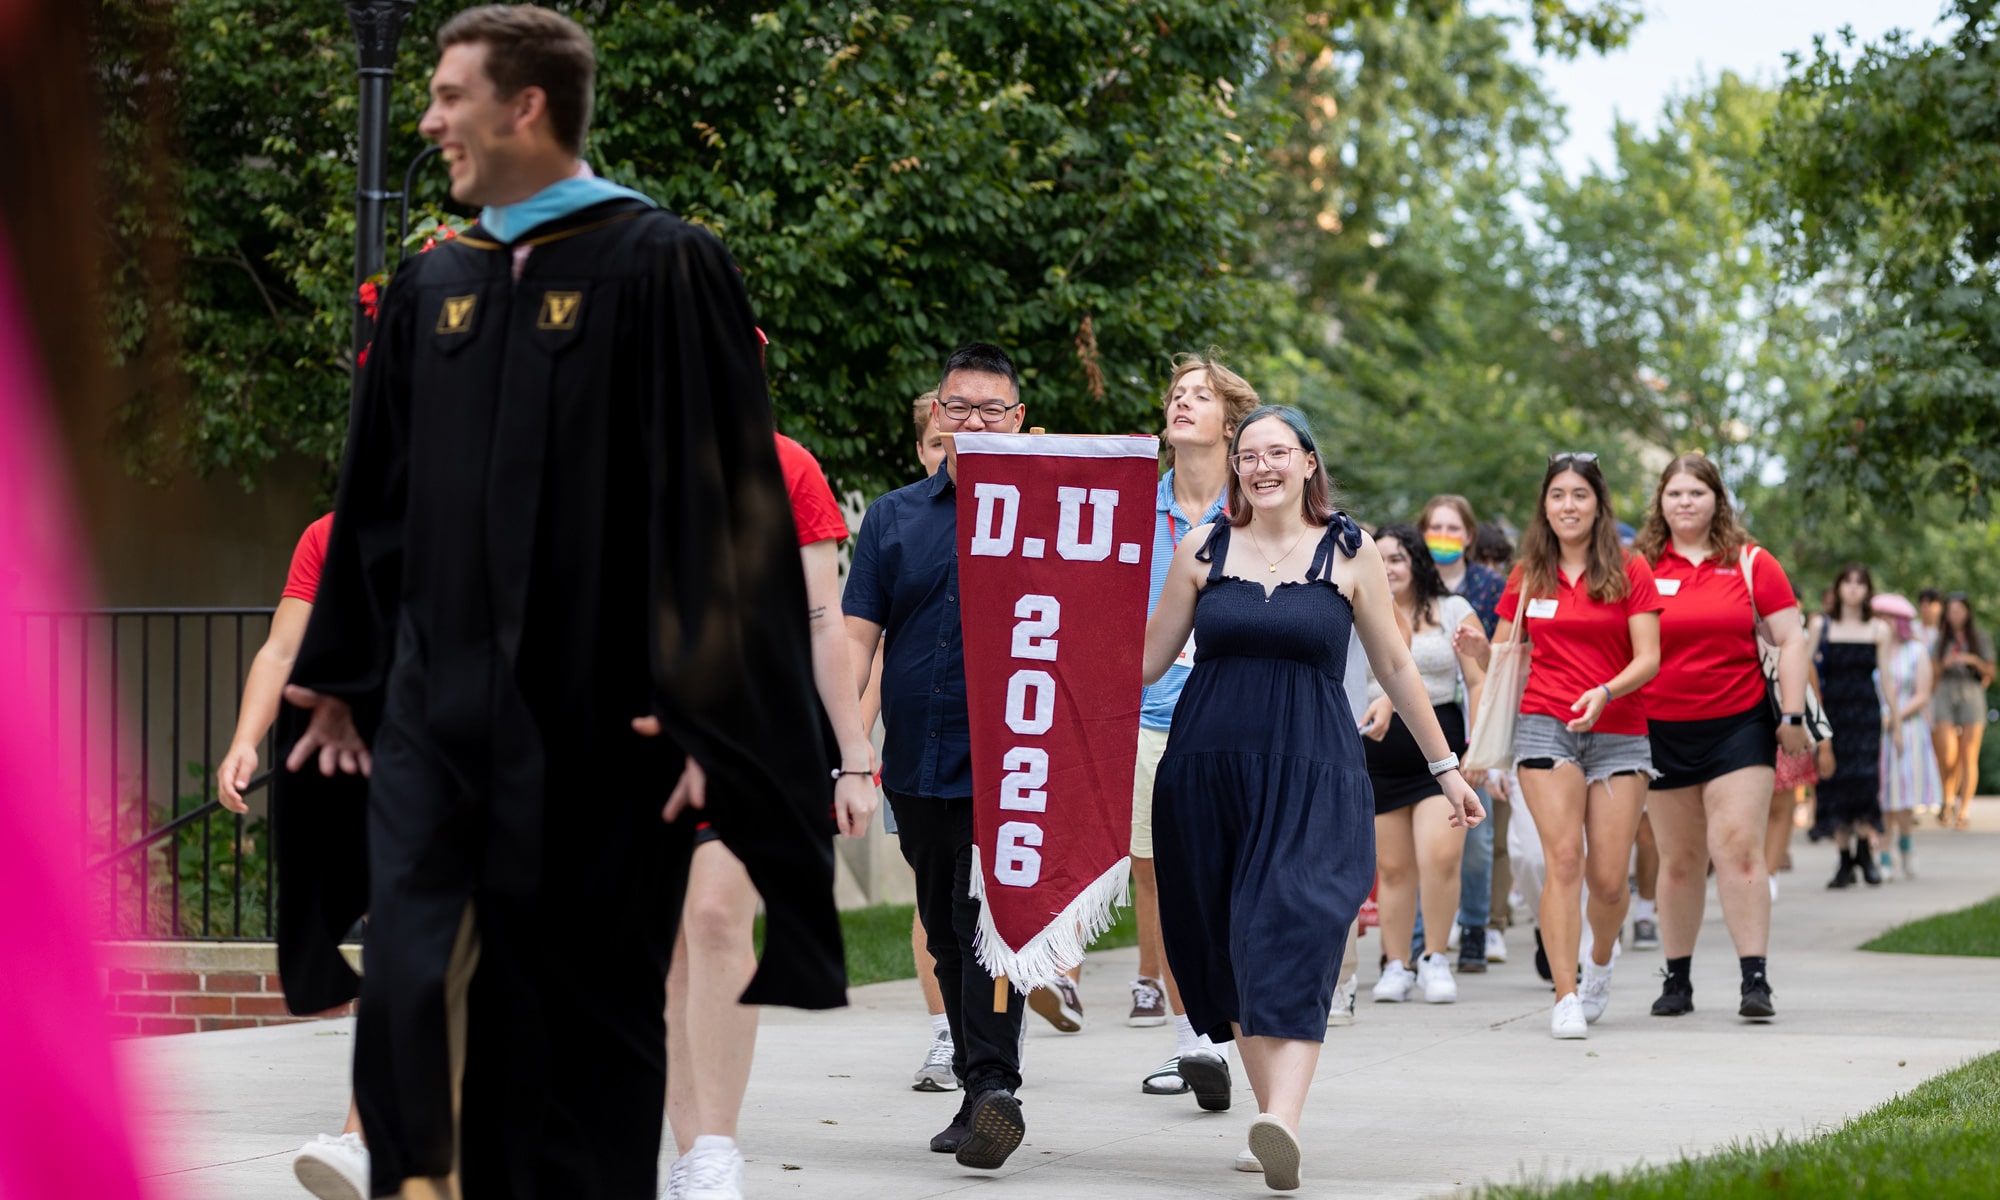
(378, 26)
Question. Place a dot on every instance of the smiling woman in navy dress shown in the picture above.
(1263, 818)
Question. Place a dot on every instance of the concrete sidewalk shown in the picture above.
(1413, 1100)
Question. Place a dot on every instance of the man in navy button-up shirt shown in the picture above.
(903, 586)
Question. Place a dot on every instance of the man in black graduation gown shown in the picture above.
(561, 520)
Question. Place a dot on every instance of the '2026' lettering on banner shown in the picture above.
(1031, 692)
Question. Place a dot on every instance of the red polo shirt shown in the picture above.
(1708, 640)
(1581, 644)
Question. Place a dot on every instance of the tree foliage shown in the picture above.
(1884, 172)
(1407, 314)
(1089, 183)
(1071, 179)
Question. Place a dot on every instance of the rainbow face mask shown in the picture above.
(1445, 548)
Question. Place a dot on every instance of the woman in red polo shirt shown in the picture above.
(1714, 736)
(1580, 747)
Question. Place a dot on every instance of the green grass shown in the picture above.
(1938, 1142)
(1969, 931)
(878, 941)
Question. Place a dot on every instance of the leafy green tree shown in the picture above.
(1407, 302)
(1075, 180)
(1671, 321)
(1884, 166)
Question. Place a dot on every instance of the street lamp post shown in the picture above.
(378, 26)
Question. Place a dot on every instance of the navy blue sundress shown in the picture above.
(1263, 817)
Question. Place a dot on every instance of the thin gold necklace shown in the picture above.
(1259, 543)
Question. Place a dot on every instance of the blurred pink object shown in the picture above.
(1889, 604)
(63, 1121)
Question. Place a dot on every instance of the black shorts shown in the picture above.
(705, 833)
(1397, 768)
(1690, 753)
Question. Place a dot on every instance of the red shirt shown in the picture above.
(302, 581)
(813, 508)
(1582, 644)
(1708, 642)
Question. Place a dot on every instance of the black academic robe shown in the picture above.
(560, 509)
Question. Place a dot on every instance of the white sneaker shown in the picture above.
(677, 1180)
(1434, 977)
(1567, 1021)
(936, 1074)
(1246, 1160)
(714, 1175)
(1341, 1014)
(1595, 990)
(1496, 945)
(1398, 983)
(333, 1167)
(1451, 943)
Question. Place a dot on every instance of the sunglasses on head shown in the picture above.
(1579, 457)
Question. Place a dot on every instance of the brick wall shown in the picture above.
(195, 987)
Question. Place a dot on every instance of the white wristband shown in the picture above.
(1448, 763)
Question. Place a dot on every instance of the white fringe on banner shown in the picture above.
(1060, 945)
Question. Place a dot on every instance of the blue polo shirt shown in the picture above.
(904, 577)
(1156, 708)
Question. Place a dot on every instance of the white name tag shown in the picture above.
(1186, 657)
(1542, 609)
(1668, 587)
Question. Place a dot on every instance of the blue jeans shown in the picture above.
(1475, 870)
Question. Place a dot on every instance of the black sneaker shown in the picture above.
(1472, 949)
(1542, 959)
(952, 1136)
(1676, 996)
(1757, 999)
(994, 1130)
(1207, 1072)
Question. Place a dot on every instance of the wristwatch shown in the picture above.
(1791, 718)
(1448, 763)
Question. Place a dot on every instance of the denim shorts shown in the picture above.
(1600, 755)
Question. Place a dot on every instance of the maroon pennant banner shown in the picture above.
(1055, 539)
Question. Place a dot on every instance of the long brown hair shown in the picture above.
(1726, 539)
(1238, 398)
(1541, 551)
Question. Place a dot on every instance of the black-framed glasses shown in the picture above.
(1277, 458)
(959, 410)
(1579, 457)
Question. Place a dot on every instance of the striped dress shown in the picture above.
(1910, 779)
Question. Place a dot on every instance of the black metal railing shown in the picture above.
(141, 706)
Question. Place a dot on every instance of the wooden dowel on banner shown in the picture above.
(1036, 429)
(1000, 994)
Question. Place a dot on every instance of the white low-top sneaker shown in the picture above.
(714, 1175)
(1246, 1160)
(1496, 945)
(1567, 1021)
(333, 1167)
(1341, 1013)
(1595, 990)
(1434, 977)
(1398, 983)
(677, 1180)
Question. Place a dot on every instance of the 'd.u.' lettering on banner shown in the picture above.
(1054, 540)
